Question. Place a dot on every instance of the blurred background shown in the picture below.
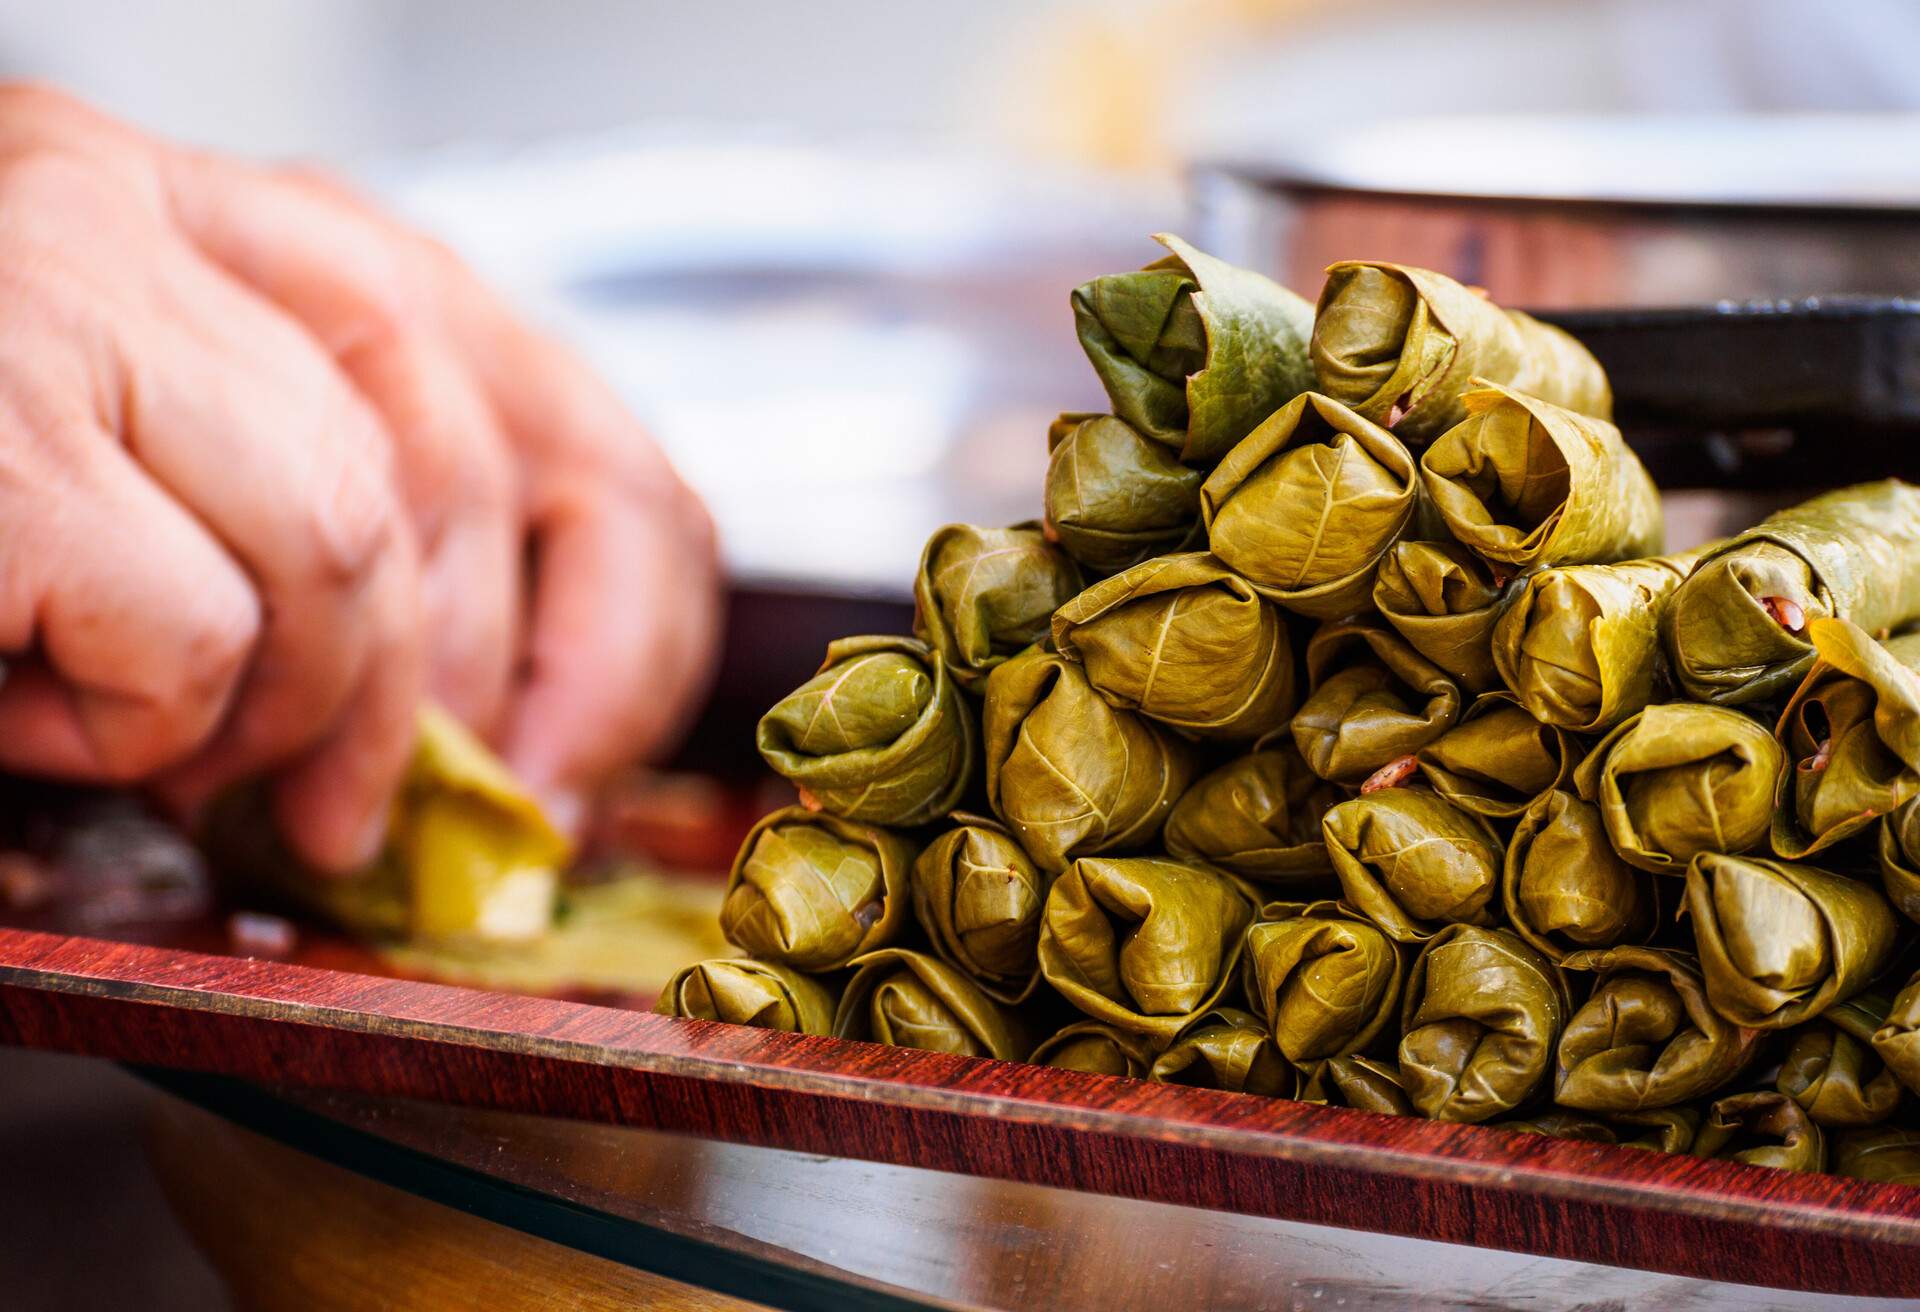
(825, 248)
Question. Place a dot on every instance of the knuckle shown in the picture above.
(352, 526)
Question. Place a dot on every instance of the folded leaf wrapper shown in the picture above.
(1400, 344)
(1678, 779)
(1498, 759)
(1226, 1049)
(985, 594)
(1832, 1071)
(1565, 889)
(1480, 1021)
(1852, 735)
(814, 891)
(1664, 1130)
(1446, 602)
(1193, 351)
(1900, 859)
(1306, 505)
(1779, 943)
(1762, 1129)
(1646, 1037)
(1365, 1084)
(1144, 943)
(1529, 484)
(1114, 498)
(1185, 641)
(1853, 553)
(1097, 1048)
(1069, 774)
(469, 857)
(1580, 644)
(741, 991)
(880, 734)
(1660, 1129)
(1259, 817)
(911, 1000)
(1897, 1041)
(1372, 699)
(1325, 980)
(978, 896)
(1413, 862)
(1575, 1126)
(1890, 1155)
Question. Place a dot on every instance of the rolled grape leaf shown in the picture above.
(1889, 1154)
(1762, 1129)
(880, 734)
(1580, 644)
(1193, 351)
(985, 594)
(1113, 498)
(814, 891)
(1069, 774)
(469, 858)
(1852, 735)
(1779, 943)
(1646, 1037)
(1832, 1071)
(1258, 816)
(1413, 862)
(1400, 344)
(741, 991)
(1325, 980)
(1557, 1124)
(1308, 503)
(1498, 759)
(1481, 1018)
(1900, 859)
(1736, 630)
(1676, 779)
(1185, 641)
(1226, 1049)
(1144, 943)
(911, 1000)
(1528, 484)
(1446, 602)
(978, 895)
(1563, 886)
(1366, 1084)
(1097, 1048)
(1372, 699)
(1897, 1041)
(1659, 1129)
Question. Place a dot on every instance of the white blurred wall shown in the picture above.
(1127, 82)
(340, 78)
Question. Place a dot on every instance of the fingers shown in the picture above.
(461, 487)
(626, 596)
(619, 646)
(624, 609)
(357, 287)
(142, 623)
(244, 421)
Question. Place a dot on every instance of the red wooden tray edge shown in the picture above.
(300, 1026)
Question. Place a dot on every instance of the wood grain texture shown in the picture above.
(289, 1233)
(296, 1026)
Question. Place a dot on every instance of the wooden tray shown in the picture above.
(298, 1026)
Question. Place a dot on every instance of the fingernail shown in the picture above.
(373, 838)
(564, 810)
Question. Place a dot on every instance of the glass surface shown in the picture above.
(858, 1233)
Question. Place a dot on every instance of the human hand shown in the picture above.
(272, 466)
